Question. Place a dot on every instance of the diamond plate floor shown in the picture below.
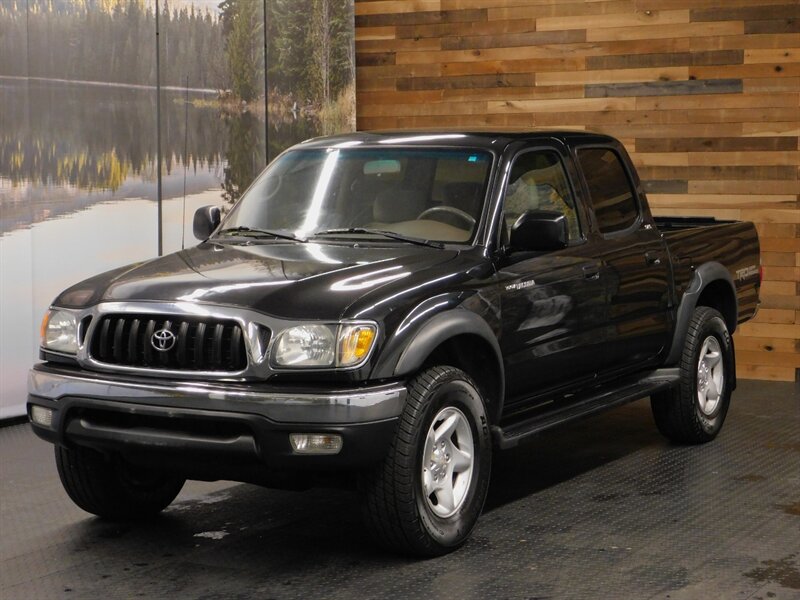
(604, 508)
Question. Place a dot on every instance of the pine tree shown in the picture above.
(242, 47)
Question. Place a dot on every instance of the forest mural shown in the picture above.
(215, 48)
(309, 44)
(240, 81)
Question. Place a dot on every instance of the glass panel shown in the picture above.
(538, 182)
(310, 70)
(78, 166)
(610, 191)
(212, 138)
(17, 311)
(77, 159)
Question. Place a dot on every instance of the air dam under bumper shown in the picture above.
(213, 431)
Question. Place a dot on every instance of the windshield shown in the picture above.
(434, 195)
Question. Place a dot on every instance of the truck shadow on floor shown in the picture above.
(294, 530)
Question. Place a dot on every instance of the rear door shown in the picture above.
(553, 303)
(634, 260)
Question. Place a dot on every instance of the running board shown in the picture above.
(595, 402)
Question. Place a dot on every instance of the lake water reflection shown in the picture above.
(78, 190)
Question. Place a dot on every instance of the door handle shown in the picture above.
(591, 272)
(652, 258)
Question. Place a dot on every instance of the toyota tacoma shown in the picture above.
(386, 310)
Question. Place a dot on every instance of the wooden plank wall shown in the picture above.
(704, 94)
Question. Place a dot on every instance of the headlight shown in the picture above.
(324, 345)
(306, 346)
(60, 331)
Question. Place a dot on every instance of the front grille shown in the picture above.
(198, 345)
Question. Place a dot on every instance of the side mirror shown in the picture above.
(206, 220)
(539, 231)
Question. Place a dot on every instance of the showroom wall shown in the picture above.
(704, 94)
(78, 151)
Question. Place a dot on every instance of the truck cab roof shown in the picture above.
(489, 138)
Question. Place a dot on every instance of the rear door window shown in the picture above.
(612, 196)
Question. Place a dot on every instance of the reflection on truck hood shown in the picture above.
(317, 281)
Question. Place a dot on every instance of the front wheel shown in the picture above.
(694, 412)
(427, 495)
(111, 488)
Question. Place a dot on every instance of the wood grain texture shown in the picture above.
(705, 95)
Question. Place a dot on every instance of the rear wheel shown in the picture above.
(428, 493)
(694, 412)
(109, 487)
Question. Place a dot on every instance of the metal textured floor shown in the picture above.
(604, 508)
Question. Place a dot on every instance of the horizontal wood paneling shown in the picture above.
(705, 95)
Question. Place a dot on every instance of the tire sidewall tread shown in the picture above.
(396, 511)
(96, 484)
(677, 412)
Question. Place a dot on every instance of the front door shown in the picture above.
(553, 304)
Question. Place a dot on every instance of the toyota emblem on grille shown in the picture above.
(163, 340)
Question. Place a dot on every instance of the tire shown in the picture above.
(111, 488)
(693, 412)
(443, 406)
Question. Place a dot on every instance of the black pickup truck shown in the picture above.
(385, 309)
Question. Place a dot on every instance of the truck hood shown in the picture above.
(288, 280)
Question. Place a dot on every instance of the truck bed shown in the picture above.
(693, 241)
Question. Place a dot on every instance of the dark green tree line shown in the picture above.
(309, 44)
(111, 41)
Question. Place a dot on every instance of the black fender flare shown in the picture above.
(704, 275)
(440, 327)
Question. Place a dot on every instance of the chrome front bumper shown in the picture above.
(278, 404)
(212, 431)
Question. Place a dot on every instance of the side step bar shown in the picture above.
(594, 402)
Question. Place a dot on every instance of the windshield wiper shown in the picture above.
(389, 234)
(256, 233)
